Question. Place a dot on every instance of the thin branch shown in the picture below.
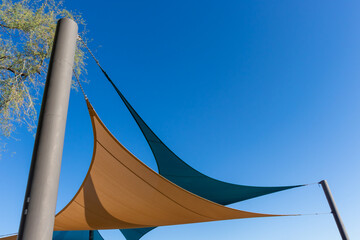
(8, 27)
(21, 74)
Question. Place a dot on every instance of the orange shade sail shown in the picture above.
(121, 192)
(14, 237)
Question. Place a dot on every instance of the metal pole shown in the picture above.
(334, 210)
(38, 215)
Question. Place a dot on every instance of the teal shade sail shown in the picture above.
(177, 171)
(77, 235)
(136, 233)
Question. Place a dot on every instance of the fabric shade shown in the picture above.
(177, 171)
(121, 192)
(14, 237)
(135, 233)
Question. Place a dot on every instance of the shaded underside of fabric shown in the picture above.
(121, 192)
(177, 171)
(135, 234)
(69, 235)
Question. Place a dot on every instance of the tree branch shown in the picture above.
(24, 75)
(8, 27)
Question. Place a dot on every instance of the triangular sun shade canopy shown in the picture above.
(100, 202)
(121, 192)
(177, 171)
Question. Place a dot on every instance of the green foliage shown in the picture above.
(27, 29)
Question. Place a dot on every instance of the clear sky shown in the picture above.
(262, 93)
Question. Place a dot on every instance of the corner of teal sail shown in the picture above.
(177, 171)
(77, 235)
(97, 236)
(136, 233)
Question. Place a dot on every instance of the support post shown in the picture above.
(334, 210)
(38, 215)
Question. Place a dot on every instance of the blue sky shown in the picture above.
(262, 93)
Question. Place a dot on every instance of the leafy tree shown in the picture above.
(27, 29)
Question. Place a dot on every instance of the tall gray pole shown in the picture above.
(37, 219)
(334, 210)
